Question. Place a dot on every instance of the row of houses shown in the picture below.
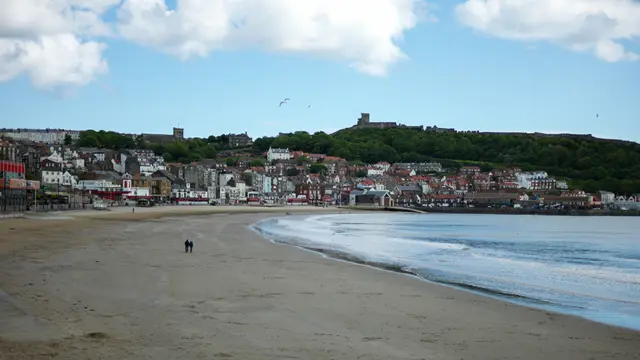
(285, 176)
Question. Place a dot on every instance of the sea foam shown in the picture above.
(567, 264)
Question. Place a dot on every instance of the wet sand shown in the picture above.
(118, 285)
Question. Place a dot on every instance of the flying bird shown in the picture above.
(308, 106)
(597, 115)
(286, 100)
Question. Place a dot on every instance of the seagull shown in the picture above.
(286, 100)
(597, 115)
(308, 106)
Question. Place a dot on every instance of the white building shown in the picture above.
(382, 165)
(55, 157)
(624, 203)
(47, 136)
(78, 163)
(138, 191)
(562, 184)
(525, 179)
(58, 177)
(148, 160)
(69, 180)
(97, 185)
(99, 155)
(190, 196)
(607, 197)
(375, 171)
(52, 176)
(278, 154)
(236, 193)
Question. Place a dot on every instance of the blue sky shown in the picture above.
(455, 76)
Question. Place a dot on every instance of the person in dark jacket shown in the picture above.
(190, 246)
(186, 245)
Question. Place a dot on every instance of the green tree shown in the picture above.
(257, 163)
(610, 164)
(302, 160)
(317, 168)
(68, 140)
(140, 142)
(230, 161)
(262, 144)
(105, 139)
(292, 172)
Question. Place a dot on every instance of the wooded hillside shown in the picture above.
(591, 163)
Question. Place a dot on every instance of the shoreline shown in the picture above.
(493, 211)
(512, 298)
(512, 211)
(240, 295)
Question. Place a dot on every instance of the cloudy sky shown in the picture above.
(219, 66)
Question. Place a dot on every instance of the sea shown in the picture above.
(583, 266)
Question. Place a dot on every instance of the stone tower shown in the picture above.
(363, 120)
(178, 133)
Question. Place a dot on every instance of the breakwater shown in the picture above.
(513, 211)
(383, 208)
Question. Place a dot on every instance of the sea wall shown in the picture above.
(513, 211)
(382, 208)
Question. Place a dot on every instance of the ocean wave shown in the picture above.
(487, 255)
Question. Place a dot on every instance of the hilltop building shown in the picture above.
(240, 140)
(436, 129)
(178, 135)
(47, 136)
(364, 121)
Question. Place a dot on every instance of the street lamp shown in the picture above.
(4, 189)
(26, 193)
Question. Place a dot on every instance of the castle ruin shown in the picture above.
(365, 122)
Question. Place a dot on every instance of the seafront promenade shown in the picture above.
(516, 211)
(495, 211)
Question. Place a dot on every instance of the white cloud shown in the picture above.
(56, 42)
(583, 25)
(45, 39)
(362, 32)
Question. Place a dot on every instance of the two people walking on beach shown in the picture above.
(188, 246)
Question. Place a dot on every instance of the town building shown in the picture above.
(8, 150)
(278, 154)
(177, 135)
(239, 140)
(47, 136)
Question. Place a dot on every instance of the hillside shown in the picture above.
(591, 163)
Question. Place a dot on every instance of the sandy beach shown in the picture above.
(118, 285)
